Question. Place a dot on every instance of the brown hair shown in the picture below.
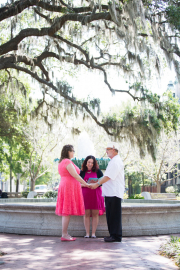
(64, 153)
(95, 164)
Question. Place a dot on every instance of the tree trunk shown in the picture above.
(17, 185)
(17, 182)
(11, 173)
(143, 178)
(158, 187)
(32, 184)
(130, 192)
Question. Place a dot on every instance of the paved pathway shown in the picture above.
(47, 252)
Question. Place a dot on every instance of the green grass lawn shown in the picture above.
(171, 249)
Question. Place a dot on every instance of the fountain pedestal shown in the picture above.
(137, 219)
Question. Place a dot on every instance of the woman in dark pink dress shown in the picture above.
(93, 200)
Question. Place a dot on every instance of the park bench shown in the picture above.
(158, 196)
(14, 195)
(163, 196)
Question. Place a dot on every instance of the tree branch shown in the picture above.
(42, 174)
(50, 31)
(50, 84)
(73, 45)
(17, 7)
(89, 39)
(47, 18)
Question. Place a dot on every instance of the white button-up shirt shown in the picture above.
(116, 184)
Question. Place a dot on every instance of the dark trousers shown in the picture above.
(113, 216)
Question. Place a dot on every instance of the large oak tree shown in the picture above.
(130, 36)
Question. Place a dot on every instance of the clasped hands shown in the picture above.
(92, 186)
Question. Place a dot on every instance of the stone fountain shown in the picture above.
(85, 146)
(139, 217)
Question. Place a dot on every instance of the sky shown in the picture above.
(91, 83)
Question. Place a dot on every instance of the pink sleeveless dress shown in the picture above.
(70, 199)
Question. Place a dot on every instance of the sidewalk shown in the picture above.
(44, 252)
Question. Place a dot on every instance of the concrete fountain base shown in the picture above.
(137, 219)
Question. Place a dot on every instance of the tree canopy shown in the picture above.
(38, 37)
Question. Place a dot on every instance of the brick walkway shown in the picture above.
(43, 252)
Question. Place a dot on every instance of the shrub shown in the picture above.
(24, 194)
(136, 196)
(50, 194)
(125, 196)
(170, 189)
(171, 249)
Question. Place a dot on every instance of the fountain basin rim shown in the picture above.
(51, 208)
(137, 219)
(127, 201)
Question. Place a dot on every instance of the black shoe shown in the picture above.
(111, 239)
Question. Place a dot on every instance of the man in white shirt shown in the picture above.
(113, 189)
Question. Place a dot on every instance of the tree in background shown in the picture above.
(134, 183)
(13, 151)
(13, 117)
(44, 144)
(167, 160)
(150, 125)
(22, 127)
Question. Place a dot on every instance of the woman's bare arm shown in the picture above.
(74, 174)
(82, 185)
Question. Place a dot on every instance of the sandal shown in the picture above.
(66, 239)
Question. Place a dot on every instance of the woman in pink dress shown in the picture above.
(70, 199)
(93, 200)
